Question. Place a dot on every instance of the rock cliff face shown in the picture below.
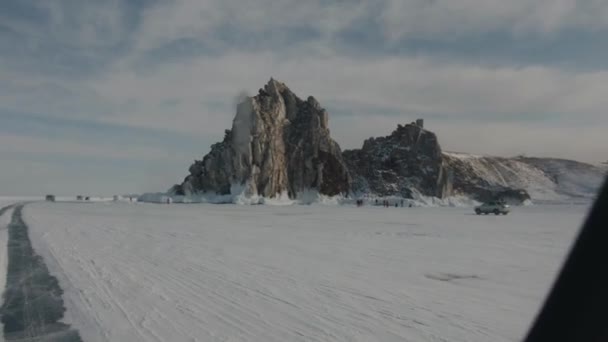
(406, 161)
(278, 144)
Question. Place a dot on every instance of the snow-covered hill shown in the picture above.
(545, 179)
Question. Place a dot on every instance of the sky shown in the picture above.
(113, 97)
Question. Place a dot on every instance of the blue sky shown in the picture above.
(120, 96)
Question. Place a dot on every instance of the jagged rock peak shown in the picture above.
(278, 144)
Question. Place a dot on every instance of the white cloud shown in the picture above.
(201, 19)
(398, 19)
(40, 94)
(547, 99)
(71, 24)
(423, 18)
(12, 143)
(409, 84)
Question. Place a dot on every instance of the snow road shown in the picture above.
(6, 213)
(32, 307)
(146, 272)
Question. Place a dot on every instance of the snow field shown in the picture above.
(149, 272)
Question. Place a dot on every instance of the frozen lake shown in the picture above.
(146, 272)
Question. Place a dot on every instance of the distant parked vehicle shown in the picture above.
(79, 198)
(494, 207)
(50, 198)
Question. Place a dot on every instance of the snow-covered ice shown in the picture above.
(201, 272)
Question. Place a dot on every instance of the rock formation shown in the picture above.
(408, 160)
(278, 144)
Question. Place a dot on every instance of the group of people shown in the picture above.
(385, 203)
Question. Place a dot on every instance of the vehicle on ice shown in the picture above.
(49, 198)
(496, 207)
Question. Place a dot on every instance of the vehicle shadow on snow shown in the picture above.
(33, 306)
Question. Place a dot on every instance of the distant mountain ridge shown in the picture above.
(280, 145)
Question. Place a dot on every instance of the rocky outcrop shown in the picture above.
(278, 144)
(407, 161)
(410, 162)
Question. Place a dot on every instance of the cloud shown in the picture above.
(409, 85)
(216, 20)
(70, 39)
(19, 144)
(422, 18)
(162, 76)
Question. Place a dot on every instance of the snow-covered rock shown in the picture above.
(571, 178)
(542, 179)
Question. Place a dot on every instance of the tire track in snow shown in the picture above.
(4, 222)
(5, 209)
(33, 306)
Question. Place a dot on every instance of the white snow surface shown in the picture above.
(200, 272)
